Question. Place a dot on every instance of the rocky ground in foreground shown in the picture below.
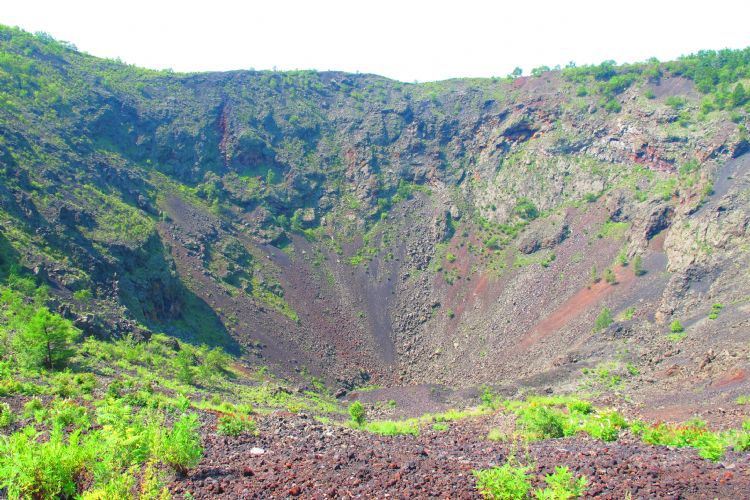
(296, 456)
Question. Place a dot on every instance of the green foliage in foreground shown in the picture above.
(562, 485)
(119, 411)
(505, 482)
(39, 464)
(512, 481)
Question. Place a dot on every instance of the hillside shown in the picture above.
(301, 240)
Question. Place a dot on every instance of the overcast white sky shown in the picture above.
(402, 39)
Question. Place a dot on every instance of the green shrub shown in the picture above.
(450, 257)
(184, 363)
(715, 310)
(152, 487)
(488, 398)
(609, 276)
(611, 105)
(675, 102)
(526, 209)
(638, 266)
(216, 360)
(33, 469)
(34, 409)
(507, 482)
(694, 434)
(234, 425)
(676, 327)
(628, 313)
(594, 275)
(116, 485)
(7, 417)
(82, 295)
(603, 320)
(605, 426)
(561, 485)
(540, 422)
(65, 413)
(357, 413)
(180, 447)
(578, 406)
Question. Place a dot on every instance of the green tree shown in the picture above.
(594, 275)
(603, 320)
(357, 413)
(609, 276)
(46, 341)
(526, 209)
(184, 363)
(739, 96)
(638, 266)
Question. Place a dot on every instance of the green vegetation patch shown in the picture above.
(513, 480)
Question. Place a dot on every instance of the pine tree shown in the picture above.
(638, 266)
(739, 96)
(46, 340)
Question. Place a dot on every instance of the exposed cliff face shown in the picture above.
(360, 228)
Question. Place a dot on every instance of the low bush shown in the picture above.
(507, 481)
(180, 447)
(357, 413)
(47, 469)
(561, 485)
(7, 417)
(638, 266)
(715, 310)
(394, 427)
(603, 320)
(609, 276)
(694, 434)
(234, 425)
(540, 422)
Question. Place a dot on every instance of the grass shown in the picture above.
(393, 427)
(413, 426)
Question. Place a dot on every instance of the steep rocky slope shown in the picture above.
(371, 231)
